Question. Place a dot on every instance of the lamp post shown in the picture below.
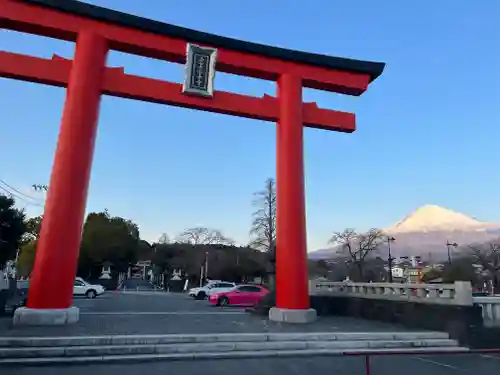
(206, 265)
(389, 240)
(448, 246)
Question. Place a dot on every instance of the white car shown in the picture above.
(193, 292)
(83, 288)
(210, 288)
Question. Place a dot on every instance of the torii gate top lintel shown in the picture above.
(68, 19)
(372, 69)
(317, 70)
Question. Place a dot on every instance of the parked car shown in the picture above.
(220, 287)
(241, 295)
(83, 288)
(193, 292)
(211, 288)
(80, 288)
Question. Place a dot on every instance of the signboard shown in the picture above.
(200, 70)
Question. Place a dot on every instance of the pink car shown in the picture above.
(242, 295)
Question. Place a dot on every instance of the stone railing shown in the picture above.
(491, 310)
(459, 293)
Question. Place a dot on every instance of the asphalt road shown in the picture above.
(420, 365)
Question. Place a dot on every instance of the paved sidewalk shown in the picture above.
(121, 314)
(108, 323)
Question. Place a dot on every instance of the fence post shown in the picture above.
(463, 293)
(368, 369)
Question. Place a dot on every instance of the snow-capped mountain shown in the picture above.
(426, 231)
(430, 218)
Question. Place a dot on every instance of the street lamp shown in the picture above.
(448, 245)
(389, 240)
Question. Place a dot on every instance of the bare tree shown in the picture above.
(263, 231)
(358, 246)
(164, 239)
(203, 236)
(488, 255)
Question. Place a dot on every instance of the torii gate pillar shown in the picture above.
(292, 290)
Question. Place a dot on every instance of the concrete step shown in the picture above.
(134, 358)
(85, 351)
(11, 342)
(40, 350)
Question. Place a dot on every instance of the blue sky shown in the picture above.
(428, 129)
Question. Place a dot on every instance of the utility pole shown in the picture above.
(201, 276)
(448, 246)
(206, 265)
(389, 240)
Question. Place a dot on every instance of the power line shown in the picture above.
(20, 197)
(19, 192)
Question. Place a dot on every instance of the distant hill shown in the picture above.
(426, 231)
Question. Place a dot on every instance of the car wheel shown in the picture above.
(223, 301)
(91, 294)
(201, 295)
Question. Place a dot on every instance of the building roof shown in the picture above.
(373, 69)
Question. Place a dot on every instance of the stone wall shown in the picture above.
(463, 323)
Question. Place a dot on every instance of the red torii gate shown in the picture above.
(97, 30)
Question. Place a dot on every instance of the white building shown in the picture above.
(398, 272)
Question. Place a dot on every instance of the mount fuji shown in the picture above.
(426, 231)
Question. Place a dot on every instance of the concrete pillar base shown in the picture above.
(292, 316)
(45, 317)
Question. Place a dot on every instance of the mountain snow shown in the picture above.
(431, 218)
(426, 231)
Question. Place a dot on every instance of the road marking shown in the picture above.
(164, 313)
(489, 356)
(436, 363)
